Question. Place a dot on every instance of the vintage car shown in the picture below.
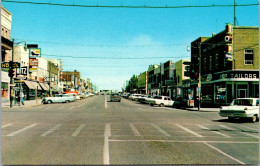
(143, 98)
(161, 101)
(59, 98)
(115, 97)
(134, 96)
(241, 108)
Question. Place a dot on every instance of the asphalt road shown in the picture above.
(95, 131)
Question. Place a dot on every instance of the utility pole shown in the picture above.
(234, 12)
(199, 84)
(49, 78)
(11, 77)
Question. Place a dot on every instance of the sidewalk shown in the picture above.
(27, 103)
(203, 109)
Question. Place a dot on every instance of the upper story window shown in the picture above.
(205, 64)
(249, 57)
(216, 61)
(210, 63)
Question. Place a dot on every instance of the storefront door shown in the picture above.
(241, 93)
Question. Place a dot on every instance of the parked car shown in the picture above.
(126, 95)
(242, 108)
(115, 97)
(161, 101)
(75, 95)
(143, 98)
(133, 96)
(82, 96)
(59, 98)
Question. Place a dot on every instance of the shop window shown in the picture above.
(249, 57)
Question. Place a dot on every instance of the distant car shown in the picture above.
(115, 97)
(75, 95)
(59, 98)
(126, 95)
(133, 96)
(82, 96)
(242, 108)
(161, 101)
(143, 98)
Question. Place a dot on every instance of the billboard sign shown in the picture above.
(34, 52)
(22, 71)
(33, 62)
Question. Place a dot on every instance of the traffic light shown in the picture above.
(11, 73)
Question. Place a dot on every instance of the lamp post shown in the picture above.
(11, 77)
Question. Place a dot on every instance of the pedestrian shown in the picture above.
(21, 97)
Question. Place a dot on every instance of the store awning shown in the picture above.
(28, 83)
(35, 84)
(43, 86)
(47, 86)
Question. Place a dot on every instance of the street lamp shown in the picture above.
(11, 77)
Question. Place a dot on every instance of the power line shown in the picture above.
(122, 6)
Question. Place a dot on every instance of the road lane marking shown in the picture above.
(4, 126)
(214, 131)
(136, 132)
(225, 154)
(220, 142)
(250, 128)
(51, 130)
(250, 134)
(161, 130)
(21, 130)
(107, 133)
(78, 130)
(226, 127)
(105, 101)
(188, 130)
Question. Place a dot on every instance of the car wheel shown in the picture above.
(67, 101)
(151, 104)
(49, 102)
(254, 118)
(161, 105)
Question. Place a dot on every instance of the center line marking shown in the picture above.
(136, 132)
(161, 130)
(78, 130)
(188, 130)
(4, 126)
(21, 130)
(107, 133)
(224, 153)
(51, 130)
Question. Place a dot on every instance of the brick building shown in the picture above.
(229, 65)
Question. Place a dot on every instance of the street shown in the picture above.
(96, 131)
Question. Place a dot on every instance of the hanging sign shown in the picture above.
(34, 52)
(33, 62)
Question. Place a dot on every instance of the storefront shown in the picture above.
(5, 80)
(223, 87)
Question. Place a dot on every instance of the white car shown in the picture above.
(242, 108)
(161, 101)
(133, 96)
(75, 95)
(60, 98)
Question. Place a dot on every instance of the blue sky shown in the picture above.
(136, 37)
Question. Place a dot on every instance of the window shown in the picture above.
(249, 57)
(210, 63)
(216, 61)
(205, 64)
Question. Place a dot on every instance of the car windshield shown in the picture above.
(247, 102)
(157, 97)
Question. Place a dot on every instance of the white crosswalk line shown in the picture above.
(78, 130)
(188, 130)
(203, 127)
(4, 126)
(21, 130)
(161, 130)
(251, 135)
(51, 130)
(136, 132)
(226, 127)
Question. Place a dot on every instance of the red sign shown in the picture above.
(33, 62)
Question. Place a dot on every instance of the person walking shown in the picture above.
(21, 97)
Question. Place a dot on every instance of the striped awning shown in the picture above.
(36, 85)
(28, 83)
(43, 86)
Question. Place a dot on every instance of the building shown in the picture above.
(70, 79)
(154, 79)
(142, 83)
(6, 50)
(229, 65)
(166, 83)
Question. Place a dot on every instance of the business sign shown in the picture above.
(229, 57)
(33, 69)
(33, 62)
(34, 52)
(7, 64)
(22, 71)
